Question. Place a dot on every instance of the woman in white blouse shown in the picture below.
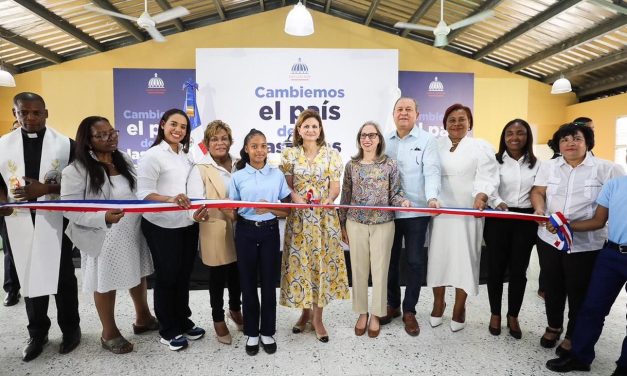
(172, 236)
(469, 177)
(509, 241)
(569, 184)
(114, 253)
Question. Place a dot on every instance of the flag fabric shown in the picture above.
(564, 232)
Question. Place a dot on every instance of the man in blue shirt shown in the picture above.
(608, 278)
(415, 151)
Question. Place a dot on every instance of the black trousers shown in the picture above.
(173, 253)
(508, 243)
(567, 276)
(220, 277)
(66, 298)
(11, 282)
(257, 248)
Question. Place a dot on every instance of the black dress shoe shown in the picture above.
(33, 348)
(566, 364)
(252, 349)
(70, 341)
(269, 348)
(620, 371)
(12, 298)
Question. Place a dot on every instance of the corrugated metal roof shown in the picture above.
(585, 39)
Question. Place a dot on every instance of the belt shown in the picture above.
(269, 222)
(616, 247)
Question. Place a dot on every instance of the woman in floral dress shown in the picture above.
(313, 268)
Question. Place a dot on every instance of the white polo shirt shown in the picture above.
(573, 191)
(165, 172)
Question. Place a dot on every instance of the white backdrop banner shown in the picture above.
(267, 89)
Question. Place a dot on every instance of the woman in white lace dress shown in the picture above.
(114, 253)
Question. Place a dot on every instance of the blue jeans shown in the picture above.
(414, 231)
(608, 278)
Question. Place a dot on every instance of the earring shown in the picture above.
(92, 154)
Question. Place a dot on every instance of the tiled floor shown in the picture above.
(473, 351)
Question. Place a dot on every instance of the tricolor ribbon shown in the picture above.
(142, 206)
(564, 232)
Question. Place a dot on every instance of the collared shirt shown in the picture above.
(267, 184)
(164, 172)
(614, 197)
(574, 191)
(419, 163)
(195, 185)
(515, 182)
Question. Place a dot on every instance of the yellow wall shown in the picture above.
(84, 87)
(604, 113)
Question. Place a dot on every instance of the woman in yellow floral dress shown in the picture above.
(313, 270)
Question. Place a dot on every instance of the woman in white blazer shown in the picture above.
(114, 253)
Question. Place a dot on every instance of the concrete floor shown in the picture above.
(437, 351)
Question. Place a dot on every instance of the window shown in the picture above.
(620, 151)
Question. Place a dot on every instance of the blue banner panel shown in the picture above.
(141, 96)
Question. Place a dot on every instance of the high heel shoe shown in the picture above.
(300, 328)
(550, 343)
(372, 333)
(237, 318)
(222, 332)
(304, 322)
(456, 326)
(512, 332)
(436, 321)
(361, 331)
(324, 338)
(495, 331)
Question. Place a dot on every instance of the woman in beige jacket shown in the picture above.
(210, 179)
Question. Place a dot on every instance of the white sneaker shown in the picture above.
(175, 344)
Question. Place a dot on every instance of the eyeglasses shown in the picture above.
(113, 135)
(371, 136)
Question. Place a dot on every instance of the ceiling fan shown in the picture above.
(145, 21)
(442, 29)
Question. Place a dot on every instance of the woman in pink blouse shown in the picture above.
(370, 178)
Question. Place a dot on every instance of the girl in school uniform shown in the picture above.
(257, 240)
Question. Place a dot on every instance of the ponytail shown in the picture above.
(244, 157)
